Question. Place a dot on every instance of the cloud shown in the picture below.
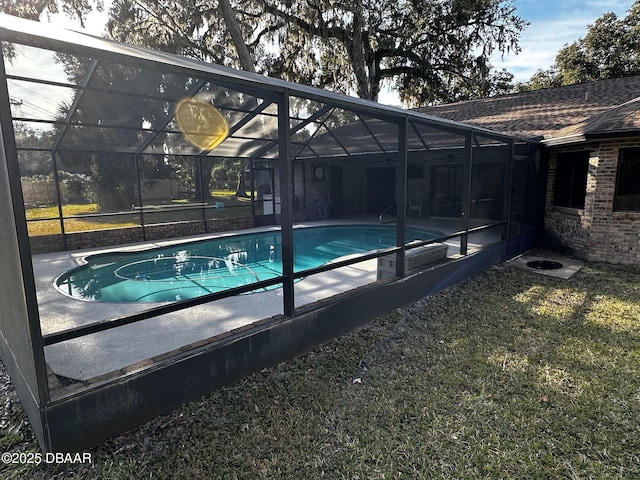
(540, 44)
(618, 6)
(551, 28)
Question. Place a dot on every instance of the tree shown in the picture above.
(35, 9)
(115, 186)
(193, 28)
(244, 56)
(541, 79)
(610, 49)
(36, 161)
(196, 28)
(430, 51)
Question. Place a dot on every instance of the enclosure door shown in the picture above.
(487, 191)
(381, 189)
(266, 203)
(446, 190)
(519, 190)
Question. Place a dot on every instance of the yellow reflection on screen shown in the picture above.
(201, 123)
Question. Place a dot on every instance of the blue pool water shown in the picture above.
(179, 272)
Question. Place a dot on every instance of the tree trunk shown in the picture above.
(244, 56)
(241, 189)
(202, 187)
(246, 62)
(115, 186)
(356, 52)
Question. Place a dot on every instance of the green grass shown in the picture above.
(508, 375)
(67, 210)
(52, 227)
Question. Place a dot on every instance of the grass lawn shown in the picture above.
(509, 375)
(234, 207)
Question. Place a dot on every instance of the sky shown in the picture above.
(552, 25)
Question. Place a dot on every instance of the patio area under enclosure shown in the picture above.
(112, 147)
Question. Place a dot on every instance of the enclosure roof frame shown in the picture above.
(27, 32)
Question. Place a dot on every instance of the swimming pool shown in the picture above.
(189, 270)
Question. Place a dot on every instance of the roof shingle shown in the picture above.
(606, 106)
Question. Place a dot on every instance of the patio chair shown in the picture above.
(415, 207)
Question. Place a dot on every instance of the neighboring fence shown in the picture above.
(159, 189)
(43, 193)
(38, 194)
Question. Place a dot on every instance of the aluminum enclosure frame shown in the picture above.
(83, 419)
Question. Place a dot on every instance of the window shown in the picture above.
(628, 183)
(571, 179)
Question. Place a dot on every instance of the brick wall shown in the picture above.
(597, 232)
(615, 236)
(566, 230)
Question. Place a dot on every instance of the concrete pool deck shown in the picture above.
(112, 350)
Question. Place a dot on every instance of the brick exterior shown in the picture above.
(597, 232)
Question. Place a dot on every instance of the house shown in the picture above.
(590, 136)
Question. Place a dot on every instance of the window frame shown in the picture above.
(573, 166)
(625, 178)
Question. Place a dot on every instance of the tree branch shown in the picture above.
(321, 30)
